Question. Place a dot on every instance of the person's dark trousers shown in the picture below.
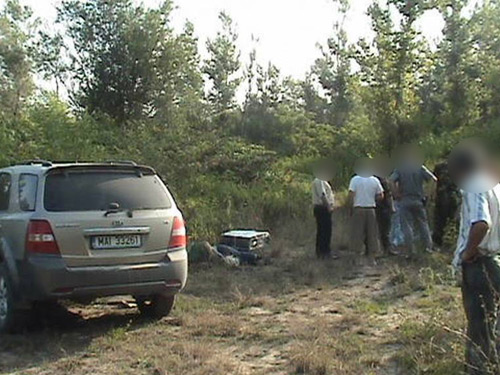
(480, 294)
(324, 231)
(384, 227)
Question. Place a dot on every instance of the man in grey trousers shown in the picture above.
(408, 187)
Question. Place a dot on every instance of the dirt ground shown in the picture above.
(290, 315)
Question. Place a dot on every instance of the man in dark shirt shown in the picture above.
(447, 201)
(409, 181)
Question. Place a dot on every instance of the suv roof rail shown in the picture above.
(124, 162)
(44, 163)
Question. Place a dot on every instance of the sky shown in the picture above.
(288, 31)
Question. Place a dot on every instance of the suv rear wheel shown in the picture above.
(156, 306)
(9, 317)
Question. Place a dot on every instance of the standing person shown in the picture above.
(477, 256)
(323, 202)
(408, 181)
(385, 207)
(446, 206)
(364, 191)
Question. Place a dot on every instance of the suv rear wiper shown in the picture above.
(110, 211)
(113, 208)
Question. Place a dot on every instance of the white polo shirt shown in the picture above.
(478, 207)
(365, 191)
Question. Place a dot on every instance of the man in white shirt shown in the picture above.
(323, 201)
(364, 191)
(477, 256)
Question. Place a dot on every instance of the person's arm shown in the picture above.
(380, 191)
(394, 185)
(428, 175)
(390, 197)
(318, 189)
(476, 235)
(351, 195)
(324, 198)
(330, 198)
(396, 190)
(350, 201)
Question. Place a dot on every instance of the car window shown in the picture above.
(28, 185)
(79, 190)
(5, 183)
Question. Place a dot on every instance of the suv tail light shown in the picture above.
(178, 236)
(40, 238)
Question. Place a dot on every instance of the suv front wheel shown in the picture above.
(156, 306)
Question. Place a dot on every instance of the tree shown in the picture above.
(480, 64)
(313, 103)
(178, 91)
(122, 61)
(16, 31)
(454, 57)
(392, 68)
(48, 58)
(222, 67)
(333, 71)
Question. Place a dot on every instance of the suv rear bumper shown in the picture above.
(47, 277)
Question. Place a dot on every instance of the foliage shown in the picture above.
(137, 91)
(222, 66)
(126, 62)
(16, 81)
(333, 72)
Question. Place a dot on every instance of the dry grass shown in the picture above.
(291, 315)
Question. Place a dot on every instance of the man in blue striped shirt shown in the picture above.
(477, 256)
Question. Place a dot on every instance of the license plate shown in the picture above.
(116, 242)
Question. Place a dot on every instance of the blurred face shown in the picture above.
(413, 156)
(474, 170)
(479, 181)
(323, 173)
(364, 168)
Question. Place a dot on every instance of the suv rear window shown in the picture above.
(95, 190)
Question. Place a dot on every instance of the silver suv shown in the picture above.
(86, 230)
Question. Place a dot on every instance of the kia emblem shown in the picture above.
(117, 223)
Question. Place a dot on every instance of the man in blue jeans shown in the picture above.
(408, 180)
(477, 257)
